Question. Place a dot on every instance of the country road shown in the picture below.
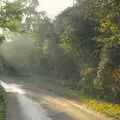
(28, 102)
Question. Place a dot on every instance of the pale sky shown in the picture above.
(54, 7)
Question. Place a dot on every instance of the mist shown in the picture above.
(22, 54)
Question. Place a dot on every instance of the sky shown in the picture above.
(54, 7)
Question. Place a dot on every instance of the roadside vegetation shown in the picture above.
(100, 105)
(108, 108)
(80, 45)
(62, 88)
(2, 104)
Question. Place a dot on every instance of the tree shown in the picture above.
(77, 32)
(11, 15)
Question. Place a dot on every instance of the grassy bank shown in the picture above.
(108, 108)
(2, 104)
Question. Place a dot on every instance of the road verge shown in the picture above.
(2, 104)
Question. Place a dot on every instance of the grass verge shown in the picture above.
(108, 108)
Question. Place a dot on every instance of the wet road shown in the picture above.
(23, 104)
(21, 107)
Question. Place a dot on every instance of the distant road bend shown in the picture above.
(25, 103)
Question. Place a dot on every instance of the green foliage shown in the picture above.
(66, 40)
(107, 108)
(11, 15)
(2, 38)
(86, 71)
(2, 105)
